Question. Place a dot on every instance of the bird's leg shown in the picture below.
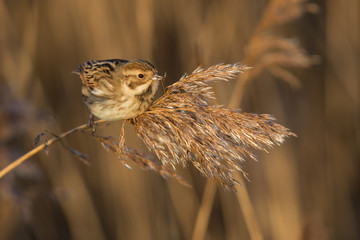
(121, 147)
(132, 121)
(91, 123)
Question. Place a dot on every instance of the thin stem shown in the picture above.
(238, 91)
(31, 153)
(203, 215)
(247, 209)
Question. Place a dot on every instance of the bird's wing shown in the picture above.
(92, 72)
(97, 75)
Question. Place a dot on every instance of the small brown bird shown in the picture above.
(117, 89)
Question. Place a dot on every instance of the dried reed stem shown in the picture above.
(248, 211)
(204, 211)
(45, 145)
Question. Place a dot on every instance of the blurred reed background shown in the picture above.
(306, 189)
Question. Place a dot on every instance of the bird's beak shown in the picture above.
(157, 77)
(77, 72)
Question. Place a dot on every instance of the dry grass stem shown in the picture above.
(248, 211)
(41, 147)
(204, 211)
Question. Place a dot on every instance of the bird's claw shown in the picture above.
(91, 123)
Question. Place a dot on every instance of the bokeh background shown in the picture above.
(305, 71)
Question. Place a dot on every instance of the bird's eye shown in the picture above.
(141, 75)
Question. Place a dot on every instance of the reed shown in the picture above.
(182, 127)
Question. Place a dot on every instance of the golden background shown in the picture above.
(306, 56)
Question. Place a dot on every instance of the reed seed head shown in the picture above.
(182, 127)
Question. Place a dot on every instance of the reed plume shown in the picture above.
(182, 127)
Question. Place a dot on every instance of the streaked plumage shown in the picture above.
(118, 89)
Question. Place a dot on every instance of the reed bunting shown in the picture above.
(117, 89)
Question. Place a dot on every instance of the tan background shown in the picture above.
(306, 189)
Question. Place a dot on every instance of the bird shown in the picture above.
(117, 89)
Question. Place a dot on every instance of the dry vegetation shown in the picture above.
(306, 189)
(182, 127)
